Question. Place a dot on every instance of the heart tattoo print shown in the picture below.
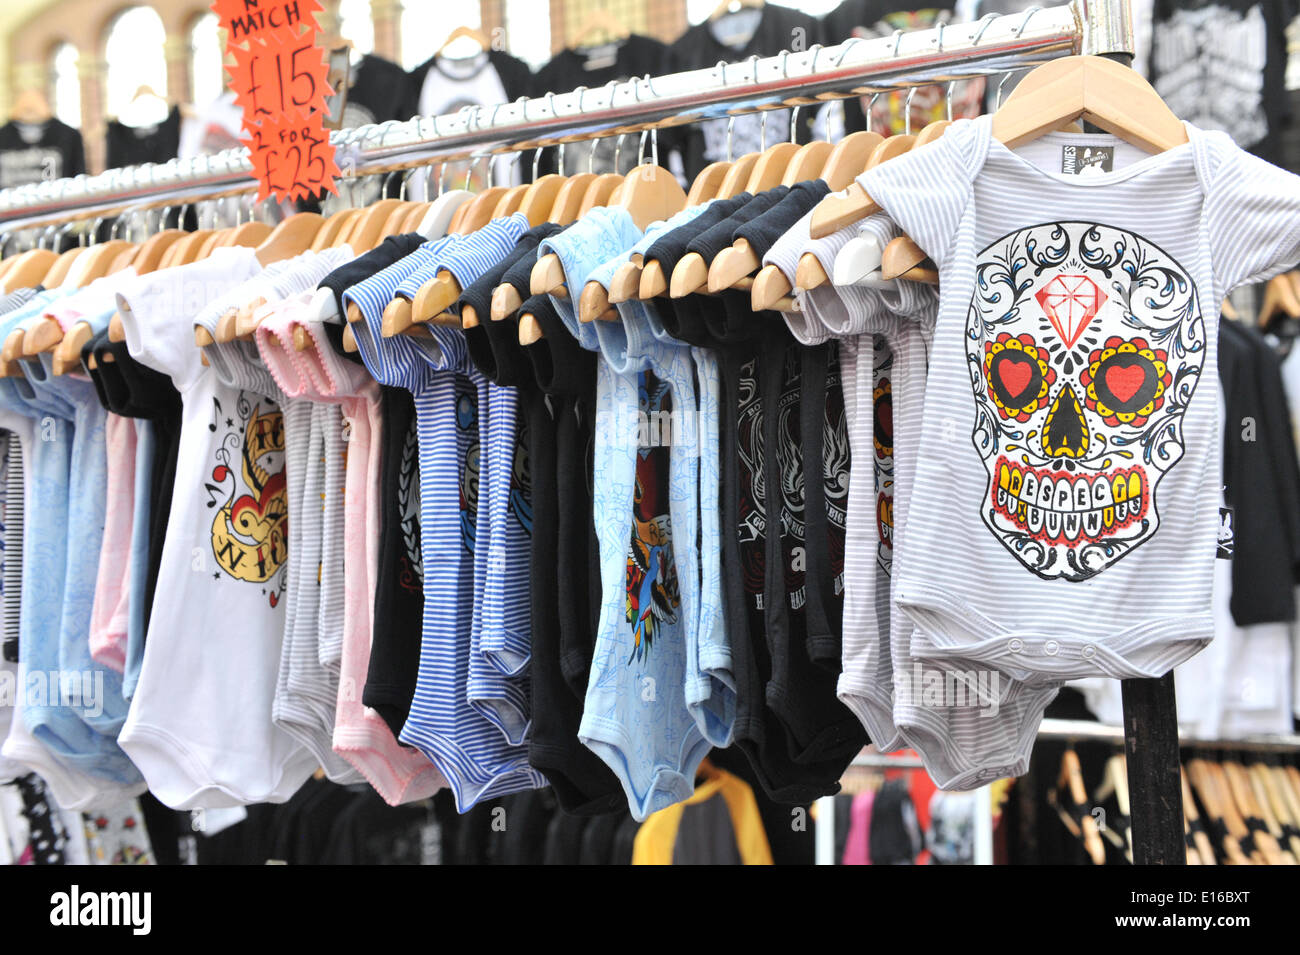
(1084, 345)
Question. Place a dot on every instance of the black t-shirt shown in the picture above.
(825, 433)
(594, 67)
(1221, 64)
(371, 832)
(376, 94)
(1260, 482)
(399, 593)
(528, 818)
(564, 839)
(133, 145)
(818, 727)
(36, 152)
(763, 32)
(866, 19)
(582, 782)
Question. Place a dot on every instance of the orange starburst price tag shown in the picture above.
(279, 77)
(292, 158)
(245, 20)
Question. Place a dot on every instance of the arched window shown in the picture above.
(134, 57)
(356, 26)
(425, 28)
(528, 30)
(65, 84)
(207, 49)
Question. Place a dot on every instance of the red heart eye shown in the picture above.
(1126, 382)
(1016, 378)
(885, 417)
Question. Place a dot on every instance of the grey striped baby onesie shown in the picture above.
(1067, 455)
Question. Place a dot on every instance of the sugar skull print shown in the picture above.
(1084, 345)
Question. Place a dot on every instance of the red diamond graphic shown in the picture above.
(1070, 302)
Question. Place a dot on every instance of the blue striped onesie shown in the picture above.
(468, 749)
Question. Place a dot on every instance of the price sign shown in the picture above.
(293, 158)
(280, 81)
(280, 77)
(245, 20)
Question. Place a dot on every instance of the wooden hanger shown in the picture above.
(397, 218)
(1218, 805)
(626, 283)
(849, 157)
(569, 200)
(770, 167)
(807, 163)
(1244, 797)
(539, 198)
(291, 237)
(154, 248)
(172, 255)
(468, 33)
(248, 235)
(505, 301)
(1071, 778)
(29, 269)
(600, 192)
(707, 183)
(67, 352)
(903, 258)
(1261, 788)
(736, 178)
(733, 265)
(510, 202)
(418, 211)
(58, 272)
(100, 259)
(1089, 88)
(1204, 848)
(1114, 782)
(333, 228)
(108, 257)
(594, 304)
(547, 277)
(368, 230)
(1279, 297)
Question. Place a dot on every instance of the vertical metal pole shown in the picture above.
(1150, 709)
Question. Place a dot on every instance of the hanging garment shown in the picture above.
(37, 152)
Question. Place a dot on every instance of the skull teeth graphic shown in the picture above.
(1055, 507)
(1084, 344)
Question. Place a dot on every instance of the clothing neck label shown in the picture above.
(1083, 160)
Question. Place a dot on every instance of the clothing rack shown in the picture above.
(1075, 731)
(992, 45)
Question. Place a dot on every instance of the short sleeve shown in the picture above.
(926, 191)
(1252, 213)
(158, 311)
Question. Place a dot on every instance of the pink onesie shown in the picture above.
(108, 615)
(399, 774)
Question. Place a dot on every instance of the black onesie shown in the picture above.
(563, 627)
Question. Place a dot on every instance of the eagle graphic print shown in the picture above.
(1084, 345)
(652, 591)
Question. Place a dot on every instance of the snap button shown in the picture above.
(1090, 651)
(1051, 647)
(1015, 646)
